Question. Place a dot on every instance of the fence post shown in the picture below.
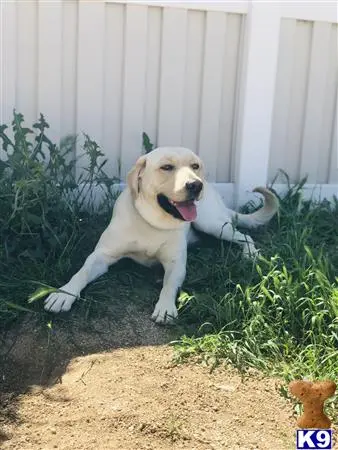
(257, 88)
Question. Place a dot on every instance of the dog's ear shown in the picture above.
(135, 174)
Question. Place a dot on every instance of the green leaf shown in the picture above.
(147, 145)
(40, 293)
(6, 142)
(18, 307)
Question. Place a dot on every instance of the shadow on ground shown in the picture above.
(38, 350)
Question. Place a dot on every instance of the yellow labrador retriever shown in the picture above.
(166, 193)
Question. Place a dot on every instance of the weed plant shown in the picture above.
(49, 211)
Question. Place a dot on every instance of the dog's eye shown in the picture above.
(168, 167)
(195, 166)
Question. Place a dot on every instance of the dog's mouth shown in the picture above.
(185, 210)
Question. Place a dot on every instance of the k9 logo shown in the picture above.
(314, 439)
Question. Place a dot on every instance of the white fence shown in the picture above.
(250, 86)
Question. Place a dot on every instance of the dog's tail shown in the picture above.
(262, 215)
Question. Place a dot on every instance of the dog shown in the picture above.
(153, 220)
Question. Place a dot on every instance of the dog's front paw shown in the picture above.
(60, 301)
(164, 313)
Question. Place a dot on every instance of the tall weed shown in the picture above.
(47, 205)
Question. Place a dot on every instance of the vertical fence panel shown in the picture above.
(153, 68)
(174, 34)
(69, 67)
(228, 97)
(333, 173)
(50, 64)
(295, 116)
(113, 80)
(328, 123)
(238, 106)
(8, 61)
(91, 30)
(258, 87)
(133, 85)
(214, 46)
(300, 77)
(26, 75)
(280, 156)
(314, 109)
(193, 79)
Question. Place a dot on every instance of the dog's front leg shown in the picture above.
(95, 265)
(174, 273)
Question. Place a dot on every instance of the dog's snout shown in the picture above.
(194, 187)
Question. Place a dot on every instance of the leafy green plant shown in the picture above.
(148, 146)
(44, 201)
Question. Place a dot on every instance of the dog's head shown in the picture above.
(165, 184)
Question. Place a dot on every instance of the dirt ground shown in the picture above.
(118, 388)
(137, 399)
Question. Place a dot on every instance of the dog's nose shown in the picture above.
(194, 187)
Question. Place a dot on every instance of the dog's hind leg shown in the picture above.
(223, 229)
(95, 265)
(214, 218)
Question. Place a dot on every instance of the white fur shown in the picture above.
(141, 230)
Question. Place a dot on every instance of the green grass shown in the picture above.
(278, 314)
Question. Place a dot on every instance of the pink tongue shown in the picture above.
(187, 211)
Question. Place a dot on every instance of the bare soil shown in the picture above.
(116, 386)
(137, 399)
